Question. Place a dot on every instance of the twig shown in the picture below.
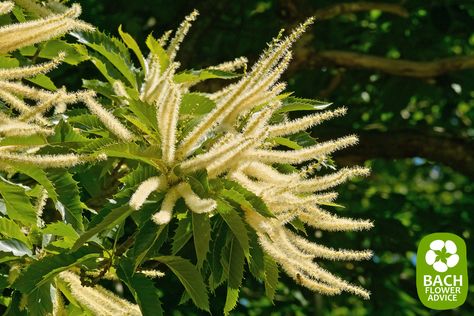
(398, 67)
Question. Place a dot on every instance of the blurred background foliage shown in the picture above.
(405, 71)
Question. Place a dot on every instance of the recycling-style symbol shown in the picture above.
(442, 255)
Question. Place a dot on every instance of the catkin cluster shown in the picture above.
(233, 141)
(245, 153)
(29, 106)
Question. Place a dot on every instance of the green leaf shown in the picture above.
(103, 222)
(39, 176)
(245, 198)
(135, 152)
(201, 236)
(64, 133)
(17, 203)
(105, 68)
(231, 300)
(195, 76)
(156, 247)
(142, 288)
(332, 204)
(98, 144)
(9, 256)
(220, 238)
(8, 62)
(89, 123)
(303, 139)
(51, 49)
(41, 271)
(235, 275)
(73, 310)
(132, 44)
(156, 49)
(141, 126)
(40, 301)
(286, 142)
(236, 264)
(101, 87)
(69, 197)
(291, 104)
(138, 175)
(285, 168)
(15, 247)
(271, 276)
(182, 234)
(184, 298)
(64, 230)
(144, 241)
(65, 289)
(30, 140)
(113, 50)
(199, 182)
(235, 223)
(256, 263)
(10, 229)
(196, 104)
(95, 178)
(43, 81)
(190, 277)
(236, 197)
(298, 225)
(145, 112)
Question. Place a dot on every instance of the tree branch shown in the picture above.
(455, 152)
(297, 10)
(353, 7)
(305, 56)
(398, 67)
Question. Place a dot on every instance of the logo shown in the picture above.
(441, 271)
(442, 255)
